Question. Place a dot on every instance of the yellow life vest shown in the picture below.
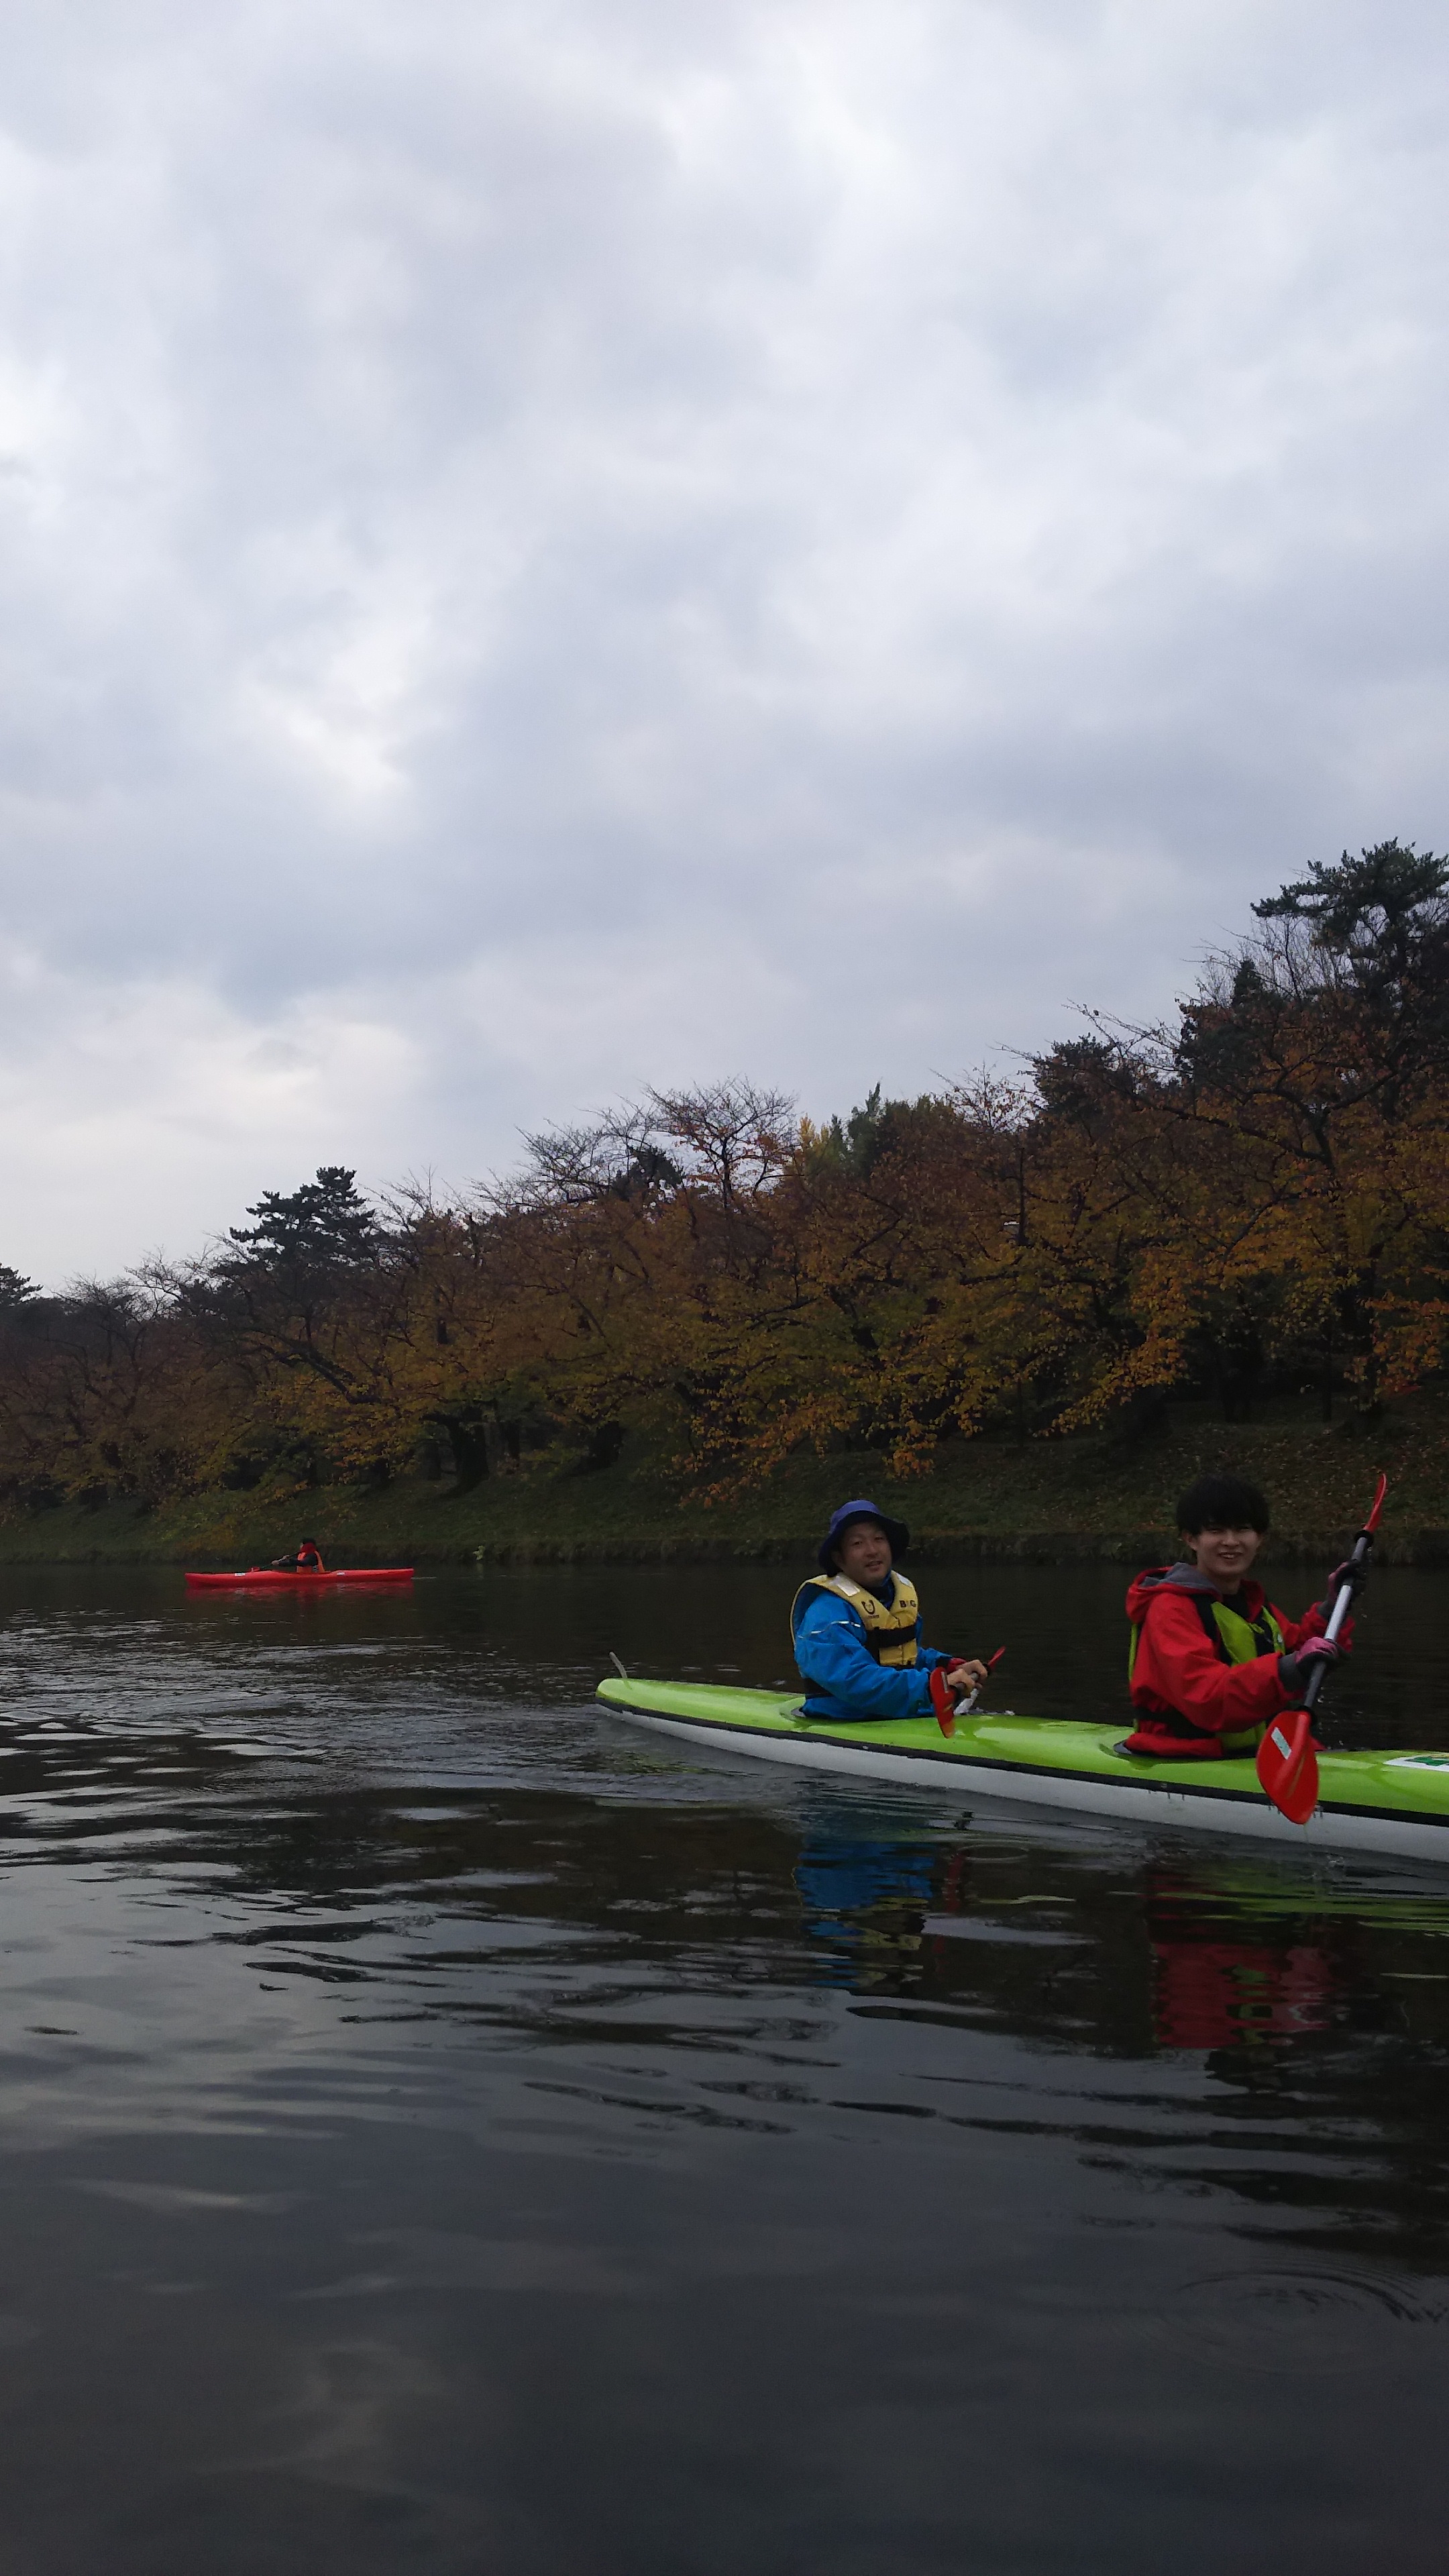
(1246, 1639)
(890, 1634)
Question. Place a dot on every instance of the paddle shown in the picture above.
(1287, 1763)
(947, 1707)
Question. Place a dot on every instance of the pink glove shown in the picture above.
(1294, 1669)
(1355, 1576)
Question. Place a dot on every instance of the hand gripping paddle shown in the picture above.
(944, 1701)
(1287, 1763)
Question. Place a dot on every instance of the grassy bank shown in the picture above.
(1046, 1500)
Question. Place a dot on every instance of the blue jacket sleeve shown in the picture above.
(832, 1654)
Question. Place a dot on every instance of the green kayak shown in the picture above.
(1370, 1802)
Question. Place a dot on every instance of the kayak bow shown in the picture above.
(1371, 1802)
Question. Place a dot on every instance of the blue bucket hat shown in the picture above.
(896, 1531)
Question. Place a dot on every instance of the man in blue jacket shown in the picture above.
(857, 1627)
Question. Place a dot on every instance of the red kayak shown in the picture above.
(257, 1574)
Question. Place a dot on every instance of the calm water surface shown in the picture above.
(446, 2129)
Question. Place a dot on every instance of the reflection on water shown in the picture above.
(1216, 1994)
(448, 2129)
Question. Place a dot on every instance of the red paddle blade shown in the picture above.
(1288, 1765)
(1371, 1524)
(942, 1701)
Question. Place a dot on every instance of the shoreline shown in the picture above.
(1426, 1550)
(1090, 1500)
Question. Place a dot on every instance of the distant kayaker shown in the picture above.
(856, 1626)
(308, 1560)
(1211, 1658)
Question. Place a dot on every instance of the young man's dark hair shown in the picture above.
(1222, 1502)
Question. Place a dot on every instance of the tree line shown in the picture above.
(1252, 1197)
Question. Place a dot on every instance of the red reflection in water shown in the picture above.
(1212, 1992)
(1207, 1994)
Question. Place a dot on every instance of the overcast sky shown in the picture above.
(550, 545)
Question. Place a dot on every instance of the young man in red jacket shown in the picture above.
(1212, 1659)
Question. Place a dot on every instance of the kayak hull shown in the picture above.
(1395, 1803)
(272, 1578)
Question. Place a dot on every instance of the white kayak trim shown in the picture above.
(1145, 1802)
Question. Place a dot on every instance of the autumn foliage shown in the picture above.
(1253, 1197)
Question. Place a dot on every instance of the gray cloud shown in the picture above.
(548, 548)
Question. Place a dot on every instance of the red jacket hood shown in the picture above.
(1185, 1578)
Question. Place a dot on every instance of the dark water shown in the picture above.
(446, 2129)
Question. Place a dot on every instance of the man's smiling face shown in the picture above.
(863, 1552)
